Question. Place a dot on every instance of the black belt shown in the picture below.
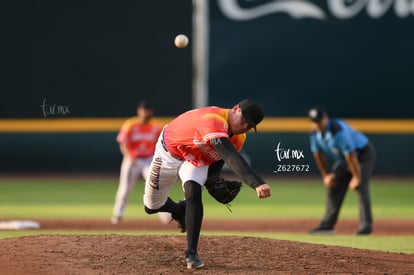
(362, 150)
(366, 152)
(163, 145)
(166, 150)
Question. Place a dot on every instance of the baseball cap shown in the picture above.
(252, 112)
(316, 114)
(145, 104)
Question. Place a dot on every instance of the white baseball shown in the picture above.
(181, 41)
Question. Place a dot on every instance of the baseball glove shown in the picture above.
(224, 191)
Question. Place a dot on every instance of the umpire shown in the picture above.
(354, 157)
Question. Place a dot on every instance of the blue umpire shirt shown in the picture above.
(338, 141)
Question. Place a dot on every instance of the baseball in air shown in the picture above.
(181, 41)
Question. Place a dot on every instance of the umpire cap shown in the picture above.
(252, 112)
(316, 114)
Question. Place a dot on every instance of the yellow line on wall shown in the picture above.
(64, 125)
(287, 125)
(300, 125)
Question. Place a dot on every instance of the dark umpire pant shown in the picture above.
(336, 195)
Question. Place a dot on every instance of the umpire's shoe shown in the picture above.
(192, 259)
(322, 231)
(364, 231)
(181, 219)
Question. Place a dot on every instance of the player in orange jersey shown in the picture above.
(193, 147)
(137, 139)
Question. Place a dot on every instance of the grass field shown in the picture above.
(93, 198)
(294, 199)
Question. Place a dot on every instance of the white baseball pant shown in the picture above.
(164, 172)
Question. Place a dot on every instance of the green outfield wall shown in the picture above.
(352, 57)
(69, 146)
(394, 154)
(84, 58)
(98, 153)
(72, 71)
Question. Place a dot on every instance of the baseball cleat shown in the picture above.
(193, 261)
(181, 225)
(181, 219)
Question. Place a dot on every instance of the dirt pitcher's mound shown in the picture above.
(126, 254)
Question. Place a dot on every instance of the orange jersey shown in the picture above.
(188, 136)
(140, 139)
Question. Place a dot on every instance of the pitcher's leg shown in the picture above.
(158, 184)
(163, 173)
(193, 179)
(193, 214)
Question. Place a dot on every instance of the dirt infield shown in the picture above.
(162, 254)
